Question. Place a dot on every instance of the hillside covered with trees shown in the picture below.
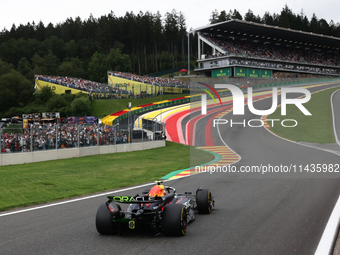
(142, 43)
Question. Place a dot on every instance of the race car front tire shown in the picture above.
(104, 223)
(204, 201)
(175, 220)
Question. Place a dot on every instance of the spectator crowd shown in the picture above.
(299, 55)
(54, 136)
(157, 81)
(78, 83)
(95, 88)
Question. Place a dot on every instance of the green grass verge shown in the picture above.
(317, 128)
(102, 108)
(36, 183)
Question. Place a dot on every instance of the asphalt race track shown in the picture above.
(253, 214)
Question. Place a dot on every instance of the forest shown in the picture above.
(287, 19)
(142, 43)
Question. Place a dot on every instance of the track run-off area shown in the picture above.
(255, 213)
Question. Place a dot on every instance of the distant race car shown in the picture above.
(160, 208)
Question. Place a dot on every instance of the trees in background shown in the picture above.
(148, 42)
(286, 19)
(16, 89)
(139, 43)
(142, 43)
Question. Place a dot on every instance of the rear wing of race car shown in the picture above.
(134, 200)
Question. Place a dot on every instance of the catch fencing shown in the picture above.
(15, 139)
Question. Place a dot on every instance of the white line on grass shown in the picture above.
(333, 115)
(76, 200)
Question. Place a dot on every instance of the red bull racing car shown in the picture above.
(160, 208)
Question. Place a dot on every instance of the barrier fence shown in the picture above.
(60, 136)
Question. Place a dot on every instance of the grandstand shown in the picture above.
(120, 85)
(239, 48)
(70, 85)
(146, 85)
(74, 83)
(158, 81)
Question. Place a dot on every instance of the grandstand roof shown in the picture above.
(246, 28)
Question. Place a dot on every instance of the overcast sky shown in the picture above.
(197, 12)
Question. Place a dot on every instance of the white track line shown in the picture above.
(333, 116)
(77, 199)
(330, 233)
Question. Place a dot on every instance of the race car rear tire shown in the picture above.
(175, 220)
(204, 201)
(104, 223)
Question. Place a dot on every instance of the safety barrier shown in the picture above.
(39, 156)
(118, 116)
